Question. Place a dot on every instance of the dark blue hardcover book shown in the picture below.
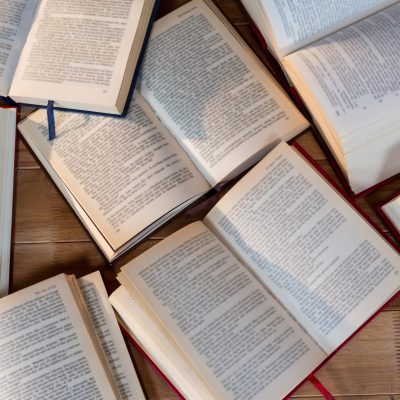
(115, 46)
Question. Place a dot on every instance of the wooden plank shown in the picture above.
(43, 215)
(24, 157)
(34, 262)
(368, 364)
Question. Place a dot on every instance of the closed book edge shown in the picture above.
(379, 209)
(6, 246)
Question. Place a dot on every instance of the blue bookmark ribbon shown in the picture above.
(50, 120)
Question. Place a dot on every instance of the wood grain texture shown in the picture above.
(48, 239)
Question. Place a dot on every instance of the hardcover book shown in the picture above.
(60, 339)
(80, 54)
(247, 303)
(342, 58)
(390, 212)
(8, 123)
(207, 110)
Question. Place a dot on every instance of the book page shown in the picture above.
(242, 342)
(102, 315)
(125, 172)
(8, 121)
(392, 211)
(210, 91)
(77, 52)
(15, 21)
(157, 346)
(296, 23)
(46, 348)
(353, 77)
(327, 266)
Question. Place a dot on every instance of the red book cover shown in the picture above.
(151, 362)
(373, 224)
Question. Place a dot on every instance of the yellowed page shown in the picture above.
(159, 348)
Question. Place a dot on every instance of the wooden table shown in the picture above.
(48, 239)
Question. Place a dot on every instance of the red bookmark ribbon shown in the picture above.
(320, 387)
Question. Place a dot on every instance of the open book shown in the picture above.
(248, 302)
(60, 336)
(79, 54)
(343, 57)
(8, 123)
(205, 113)
(390, 211)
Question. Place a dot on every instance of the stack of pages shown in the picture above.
(343, 59)
(8, 121)
(391, 211)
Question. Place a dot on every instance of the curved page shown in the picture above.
(297, 23)
(126, 173)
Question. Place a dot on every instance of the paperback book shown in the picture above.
(78, 54)
(342, 58)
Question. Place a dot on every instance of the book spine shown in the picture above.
(260, 37)
(141, 56)
(294, 94)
